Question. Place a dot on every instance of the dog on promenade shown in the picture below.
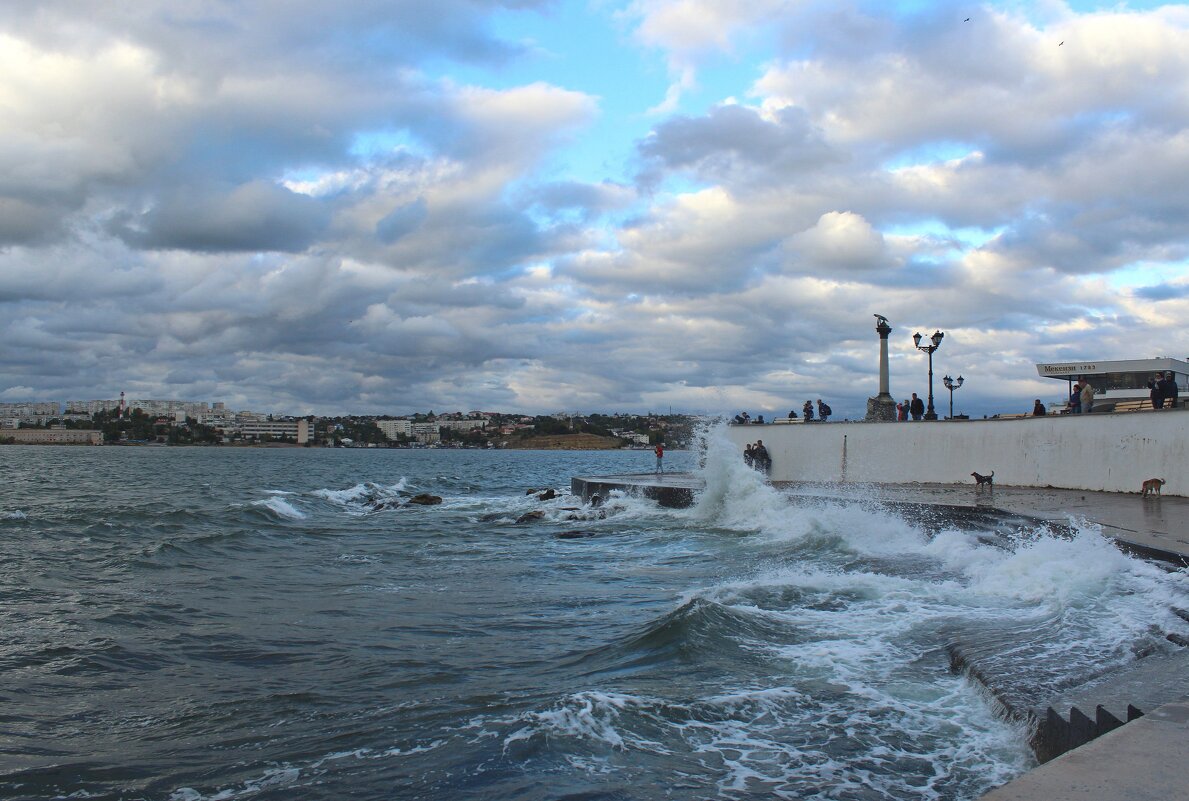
(1152, 486)
(980, 480)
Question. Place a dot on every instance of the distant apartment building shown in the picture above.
(426, 433)
(631, 436)
(91, 407)
(155, 408)
(53, 436)
(35, 413)
(50, 408)
(393, 429)
(462, 425)
(297, 430)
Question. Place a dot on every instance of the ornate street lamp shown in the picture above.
(930, 414)
(952, 384)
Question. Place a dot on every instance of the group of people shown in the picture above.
(914, 408)
(1164, 391)
(756, 456)
(1081, 397)
(823, 411)
(1162, 387)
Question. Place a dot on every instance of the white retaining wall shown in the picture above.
(1114, 452)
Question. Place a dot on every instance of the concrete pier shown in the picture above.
(1142, 761)
(674, 490)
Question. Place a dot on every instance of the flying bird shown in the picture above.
(1060, 43)
(966, 20)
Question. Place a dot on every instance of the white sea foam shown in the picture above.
(785, 742)
(735, 496)
(361, 492)
(270, 779)
(587, 715)
(16, 514)
(281, 508)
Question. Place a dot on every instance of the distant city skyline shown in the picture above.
(607, 205)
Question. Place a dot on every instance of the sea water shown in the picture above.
(192, 624)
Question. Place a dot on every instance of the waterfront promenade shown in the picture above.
(1154, 527)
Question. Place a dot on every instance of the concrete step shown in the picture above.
(1088, 706)
(1091, 710)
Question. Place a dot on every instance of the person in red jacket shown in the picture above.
(660, 457)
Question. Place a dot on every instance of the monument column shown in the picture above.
(882, 408)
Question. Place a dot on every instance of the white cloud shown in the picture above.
(186, 207)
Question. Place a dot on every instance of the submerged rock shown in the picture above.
(528, 517)
(574, 535)
(599, 514)
(425, 499)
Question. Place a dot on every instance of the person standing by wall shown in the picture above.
(1168, 390)
(823, 410)
(1075, 398)
(763, 461)
(1087, 397)
(1156, 384)
(916, 407)
(807, 411)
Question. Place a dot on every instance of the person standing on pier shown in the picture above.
(660, 457)
(1157, 393)
(916, 407)
(763, 461)
(1168, 391)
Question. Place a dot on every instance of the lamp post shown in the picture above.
(930, 414)
(952, 384)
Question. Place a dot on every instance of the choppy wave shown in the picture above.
(281, 508)
(365, 497)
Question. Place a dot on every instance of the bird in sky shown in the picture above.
(966, 20)
(1060, 43)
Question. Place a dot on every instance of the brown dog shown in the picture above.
(1152, 486)
(980, 479)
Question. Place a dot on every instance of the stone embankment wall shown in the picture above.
(1113, 452)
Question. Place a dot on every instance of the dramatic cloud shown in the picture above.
(391, 206)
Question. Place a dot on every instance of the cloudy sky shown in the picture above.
(587, 205)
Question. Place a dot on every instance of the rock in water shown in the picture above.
(425, 499)
(547, 495)
(574, 535)
(529, 517)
